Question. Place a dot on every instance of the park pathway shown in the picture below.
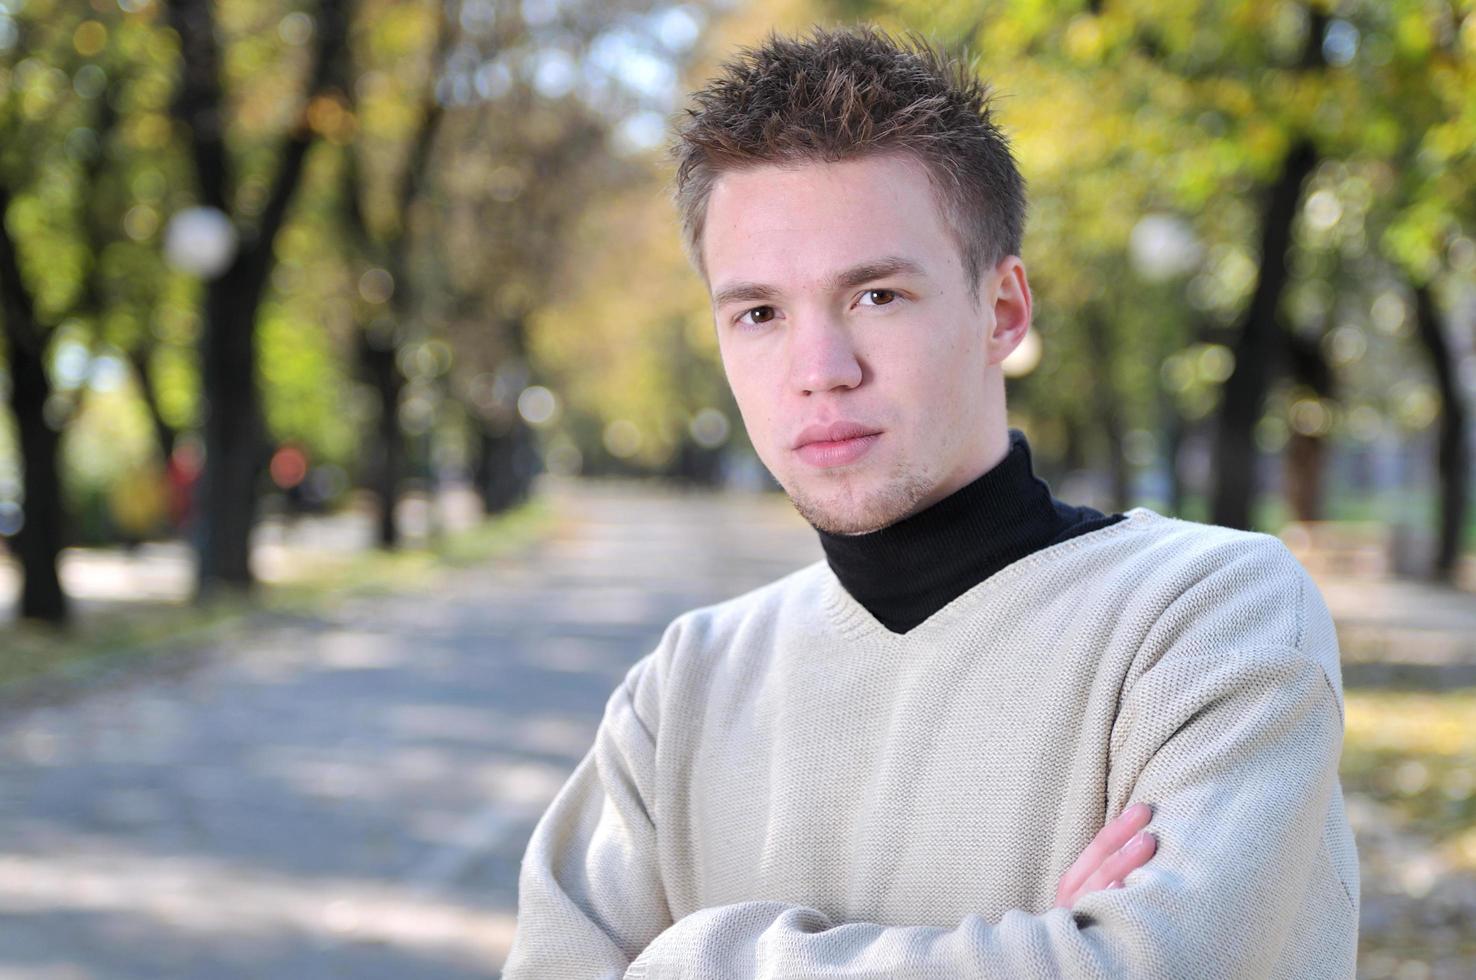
(349, 794)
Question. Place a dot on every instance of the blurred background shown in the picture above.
(363, 423)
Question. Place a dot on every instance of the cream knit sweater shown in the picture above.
(783, 788)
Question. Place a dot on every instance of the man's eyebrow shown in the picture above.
(880, 269)
(846, 279)
(743, 291)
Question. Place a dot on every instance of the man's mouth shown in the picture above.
(827, 453)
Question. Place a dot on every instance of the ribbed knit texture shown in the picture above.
(784, 788)
(908, 570)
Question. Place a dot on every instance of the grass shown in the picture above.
(1271, 513)
(409, 569)
(117, 639)
(1415, 752)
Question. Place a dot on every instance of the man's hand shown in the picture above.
(1117, 849)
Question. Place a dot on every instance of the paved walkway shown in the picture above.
(349, 795)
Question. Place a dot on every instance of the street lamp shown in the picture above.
(201, 241)
(1163, 246)
(1024, 358)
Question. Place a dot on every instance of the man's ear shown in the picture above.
(1008, 290)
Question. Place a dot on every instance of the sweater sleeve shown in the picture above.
(1237, 753)
(590, 895)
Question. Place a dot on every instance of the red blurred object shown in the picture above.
(181, 472)
(289, 467)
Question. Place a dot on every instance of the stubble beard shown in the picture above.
(858, 511)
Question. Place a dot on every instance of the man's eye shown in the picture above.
(759, 314)
(879, 297)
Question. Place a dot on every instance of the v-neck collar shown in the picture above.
(858, 622)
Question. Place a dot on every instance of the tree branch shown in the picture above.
(17, 306)
(327, 73)
(198, 101)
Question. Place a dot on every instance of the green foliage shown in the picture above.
(1188, 109)
(541, 254)
(304, 376)
(96, 168)
(640, 315)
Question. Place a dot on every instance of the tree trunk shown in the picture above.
(1073, 455)
(1305, 463)
(1233, 493)
(380, 367)
(234, 445)
(1306, 452)
(1108, 407)
(377, 348)
(1452, 458)
(1173, 445)
(39, 541)
(509, 459)
(1256, 344)
(506, 465)
(496, 471)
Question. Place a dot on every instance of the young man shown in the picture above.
(898, 762)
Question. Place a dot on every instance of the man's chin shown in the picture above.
(857, 516)
(833, 524)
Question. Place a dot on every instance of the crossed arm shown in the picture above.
(1237, 754)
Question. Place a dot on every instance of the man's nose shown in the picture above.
(822, 356)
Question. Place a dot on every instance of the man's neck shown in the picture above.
(908, 570)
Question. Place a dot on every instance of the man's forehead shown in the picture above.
(816, 222)
(770, 193)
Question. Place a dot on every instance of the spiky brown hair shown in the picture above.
(838, 94)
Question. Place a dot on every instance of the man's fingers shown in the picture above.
(1130, 858)
(1107, 842)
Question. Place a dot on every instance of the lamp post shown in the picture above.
(1024, 358)
(201, 241)
(1163, 247)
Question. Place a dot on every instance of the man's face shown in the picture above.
(840, 296)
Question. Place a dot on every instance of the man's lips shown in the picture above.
(835, 444)
(833, 432)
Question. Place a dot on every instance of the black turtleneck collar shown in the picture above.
(905, 572)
